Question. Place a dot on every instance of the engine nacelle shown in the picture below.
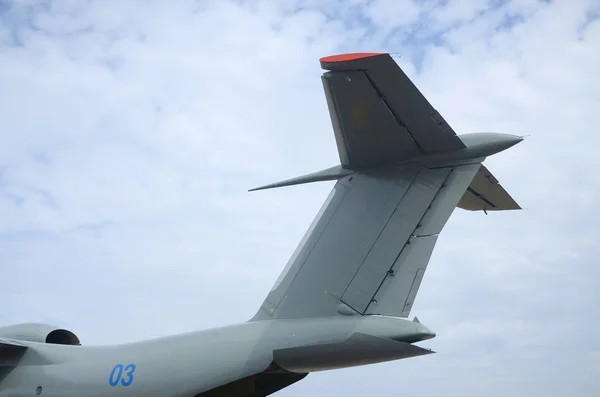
(38, 332)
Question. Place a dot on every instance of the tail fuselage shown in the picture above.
(190, 364)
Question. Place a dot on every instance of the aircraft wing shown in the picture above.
(10, 355)
(10, 352)
(485, 193)
(378, 115)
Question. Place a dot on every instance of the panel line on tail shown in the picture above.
(403, 224)
(400, 226)
(378, 237)
(481, 197)
(414, 235)
(388, 106)
(485, 193)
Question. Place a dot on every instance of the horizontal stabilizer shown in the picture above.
(329, 174)
(358, 349)
(486, 194)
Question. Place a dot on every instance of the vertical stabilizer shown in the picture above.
(403, 171)
(368, 247)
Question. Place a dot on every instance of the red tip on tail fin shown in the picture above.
(349, 57)
(329, 62)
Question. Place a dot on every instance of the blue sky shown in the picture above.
(132, 130)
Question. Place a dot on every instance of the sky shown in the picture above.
(132, 130)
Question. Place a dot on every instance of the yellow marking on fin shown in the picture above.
(359, 117)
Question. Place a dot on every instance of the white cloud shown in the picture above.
(131, 133)
(393, 14)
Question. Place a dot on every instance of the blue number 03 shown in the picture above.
(121, 373)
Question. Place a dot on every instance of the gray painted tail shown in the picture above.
(403, 171)
(368, 247)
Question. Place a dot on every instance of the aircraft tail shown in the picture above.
(403, 171)
(368, 247)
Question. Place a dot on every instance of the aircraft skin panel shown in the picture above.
(378, 115)
(304, 250)
(398, 288)
(445, 201)
(400, 227)
(338, 132)
(364, 122)
(333, 253)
